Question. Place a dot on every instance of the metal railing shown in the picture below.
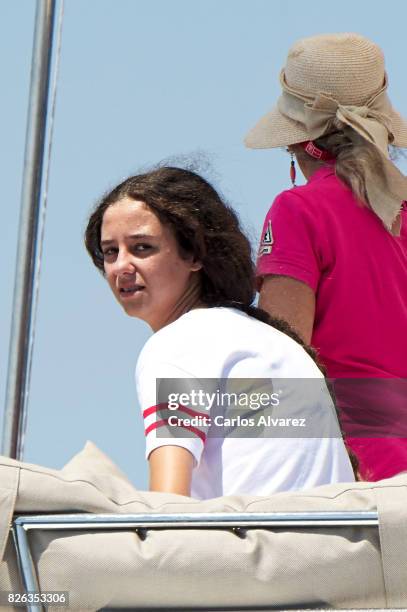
(142, 521)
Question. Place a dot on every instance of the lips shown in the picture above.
(130, 290)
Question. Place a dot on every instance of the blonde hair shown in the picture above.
(355, 157)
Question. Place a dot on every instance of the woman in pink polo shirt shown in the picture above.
(333, 254)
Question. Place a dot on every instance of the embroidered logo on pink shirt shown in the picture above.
(267, 241)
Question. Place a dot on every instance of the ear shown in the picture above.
(193, 262)
(195, 266)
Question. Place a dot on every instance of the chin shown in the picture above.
(132, 312)
(130, 309)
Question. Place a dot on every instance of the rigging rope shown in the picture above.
(41, 231)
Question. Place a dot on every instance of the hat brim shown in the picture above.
(399, 127)
(276, 130)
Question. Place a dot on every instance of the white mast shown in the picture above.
(17, 379)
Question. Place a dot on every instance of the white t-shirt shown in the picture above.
(224, 344)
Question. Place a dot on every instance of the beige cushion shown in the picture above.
(339, 567)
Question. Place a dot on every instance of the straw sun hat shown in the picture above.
(346, 68)
(339, 76)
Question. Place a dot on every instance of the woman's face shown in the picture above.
(142, 262)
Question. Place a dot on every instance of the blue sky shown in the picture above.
(141, 81)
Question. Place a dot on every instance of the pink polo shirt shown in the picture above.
(321, 235)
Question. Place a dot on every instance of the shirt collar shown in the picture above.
(327, 170)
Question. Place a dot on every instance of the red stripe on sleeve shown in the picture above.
(185, 409)
(153, 409)
(162, 422)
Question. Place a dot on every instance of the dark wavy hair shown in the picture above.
(204, 226)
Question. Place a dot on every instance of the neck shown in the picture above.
(189, 300)
(309, 166)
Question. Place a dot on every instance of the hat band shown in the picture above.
(371, 120)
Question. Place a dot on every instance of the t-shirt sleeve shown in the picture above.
(289, 241)
(170, 413)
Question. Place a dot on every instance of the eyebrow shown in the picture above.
(136, 236)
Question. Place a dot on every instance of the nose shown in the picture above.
(124, 263)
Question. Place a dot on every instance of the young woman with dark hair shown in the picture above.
(174, 255)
